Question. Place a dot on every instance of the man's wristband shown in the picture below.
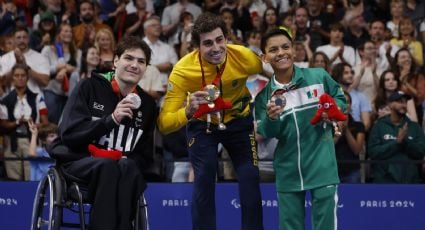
(115, 119)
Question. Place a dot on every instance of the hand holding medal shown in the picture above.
(276, 105)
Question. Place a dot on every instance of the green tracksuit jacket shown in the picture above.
(382, 145)
(305, 155)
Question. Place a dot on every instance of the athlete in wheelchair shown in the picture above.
(106, 139)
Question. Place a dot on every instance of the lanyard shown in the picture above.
(217, 78)
(116, 88)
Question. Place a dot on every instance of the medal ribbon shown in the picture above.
(217, 78)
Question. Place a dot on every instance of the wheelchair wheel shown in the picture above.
(142, 219)
(49, 190)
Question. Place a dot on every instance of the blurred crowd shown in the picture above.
(371, 48)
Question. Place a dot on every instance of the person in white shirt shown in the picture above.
(164, 56)
(336, 50)
(38, 65)
(170, 19)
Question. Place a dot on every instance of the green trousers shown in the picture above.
(324, 205)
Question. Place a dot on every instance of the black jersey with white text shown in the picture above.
(87, 120)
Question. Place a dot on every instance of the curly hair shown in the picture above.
(207, 22)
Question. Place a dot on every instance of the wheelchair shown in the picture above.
(53, 190)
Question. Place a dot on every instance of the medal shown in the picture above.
(278, 98)
(135, 99)
(213, 93)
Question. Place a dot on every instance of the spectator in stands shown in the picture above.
(336, 50)
(184, 45)
(133, 24)
(320, 60)
(303, 52)
(377, 36)
(367, 71)
(90, 61)
(45, 34)
(241, 14)
(152, 84)
(64, 58)
(106, 140)
(256, 21)
(7, 44)
(388, 84)
(70, 15)
(85, 32)
(164, 56)
(301, 24)
(105, 44)
(412, 81)
(356, 31)
(398, 141)
(235, 35)
(45, 134)
(37, 63)
(170, 19)
(407, 39)
(193, 72)
(269, 19)
(319, 23)
(348, 146)
(8, 14)
(396, 11)
(287, 20)
(20, 106)
(360, 108)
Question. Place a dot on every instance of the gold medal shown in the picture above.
(213, 93)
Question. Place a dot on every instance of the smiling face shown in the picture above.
(130, 66)
(104, 41)
(212, 46)
(404, 59)
(279, 52)
(65, 34)
(93, 58)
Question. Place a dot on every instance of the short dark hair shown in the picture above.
(207, 22)
(85, 1)
(20, 66)
(336, 26)
(46, 129)
(21, 28)
(133, 42)
(274, 32)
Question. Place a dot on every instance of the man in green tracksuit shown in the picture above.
(305, 155)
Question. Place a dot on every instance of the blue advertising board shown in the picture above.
(363, 206)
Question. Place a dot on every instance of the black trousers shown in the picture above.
(239, 140)
(113, 186)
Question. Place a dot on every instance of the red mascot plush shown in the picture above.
(98, 152)
(219, 104)
(214, 106)
(327, 105)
